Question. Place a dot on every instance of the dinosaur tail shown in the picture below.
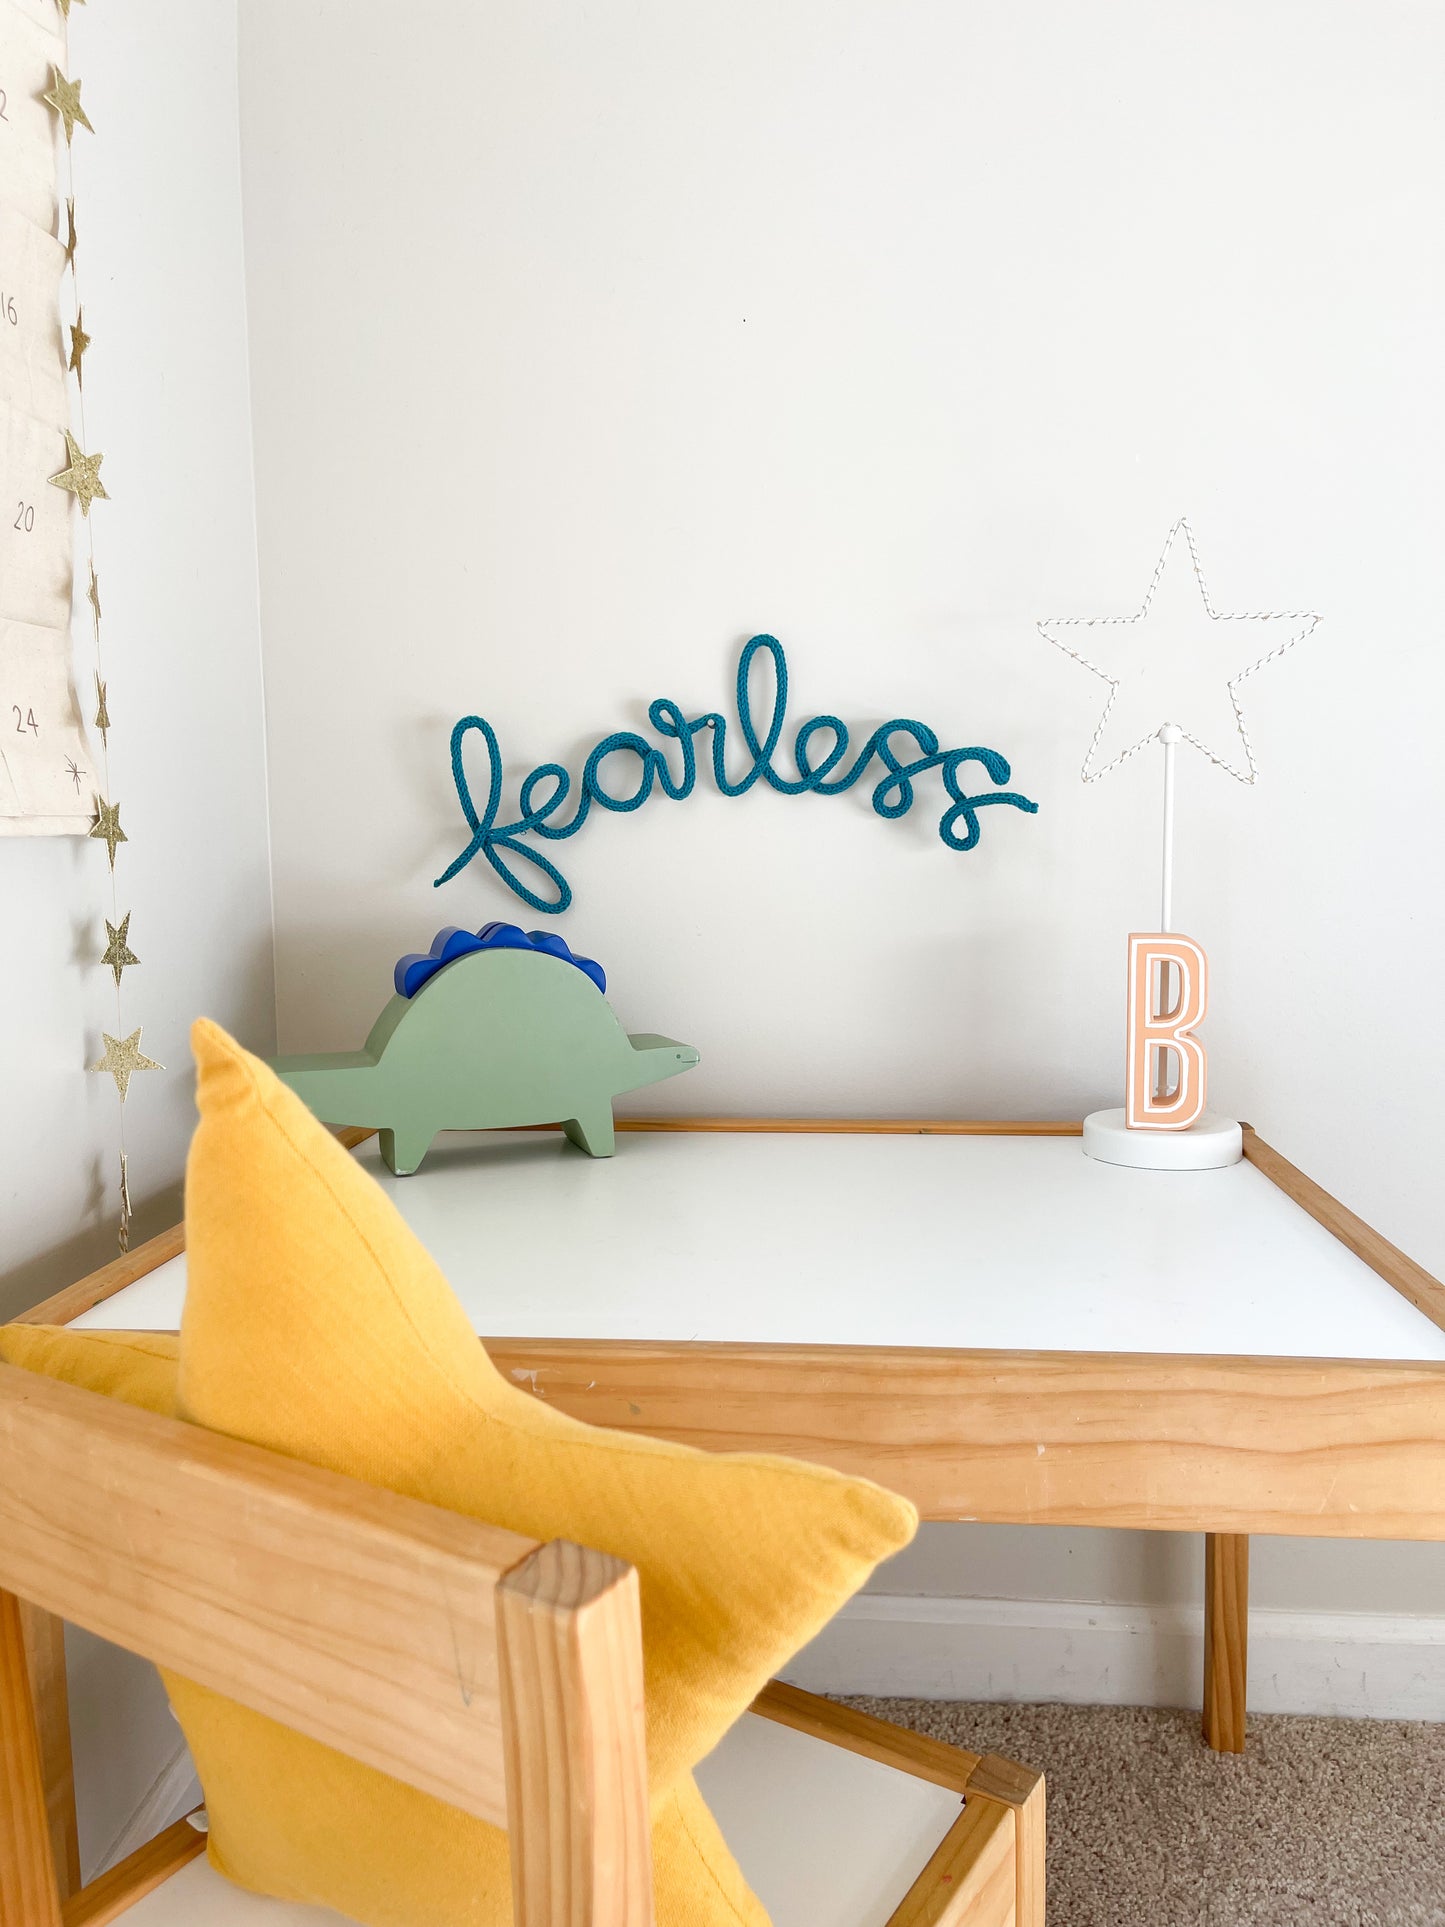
(342, 1088)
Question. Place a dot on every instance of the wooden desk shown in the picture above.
(1226, 1352)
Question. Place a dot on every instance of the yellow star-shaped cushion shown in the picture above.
(317, 1325)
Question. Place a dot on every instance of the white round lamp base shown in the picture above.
(1206, 1146)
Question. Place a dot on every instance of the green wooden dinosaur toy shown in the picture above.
(487, 1032)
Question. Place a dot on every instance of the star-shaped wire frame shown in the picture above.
(123, 1058)
(64, 97)
(82, 478)
(107, 826)
(118, 953)
(1301, 621)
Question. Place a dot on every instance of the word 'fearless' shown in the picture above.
(819, 749)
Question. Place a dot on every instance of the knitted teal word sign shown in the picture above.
(544, 793)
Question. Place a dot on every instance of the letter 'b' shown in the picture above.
(1160, 1024)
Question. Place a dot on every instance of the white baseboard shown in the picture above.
(1361, 1665)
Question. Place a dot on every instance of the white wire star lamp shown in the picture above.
(1170, 696)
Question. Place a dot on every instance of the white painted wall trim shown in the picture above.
(1360, 1665)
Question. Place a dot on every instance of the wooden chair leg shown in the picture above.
(1226, 1639)
(1016, 1786)
(29, 1894)
(569, 1649)
(50, 1695)
(115, 1892)
(971, 1877)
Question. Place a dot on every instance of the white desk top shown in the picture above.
(1009, 1243)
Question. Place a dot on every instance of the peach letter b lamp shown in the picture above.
(1164, 1123)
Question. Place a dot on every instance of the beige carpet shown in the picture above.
(1321, 1823)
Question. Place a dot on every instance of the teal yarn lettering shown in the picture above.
(545, 791)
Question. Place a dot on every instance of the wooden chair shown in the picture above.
(498, 1674)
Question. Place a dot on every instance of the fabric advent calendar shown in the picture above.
(48, 783)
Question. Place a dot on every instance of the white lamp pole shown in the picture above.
(1169, 736)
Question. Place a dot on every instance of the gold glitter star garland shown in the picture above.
(107, 828)
(79, 342)
(64, 97)
(118, 953)
(122, 1057)
(82, 477)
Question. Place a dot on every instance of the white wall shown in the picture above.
(586, 341)
(158, 193)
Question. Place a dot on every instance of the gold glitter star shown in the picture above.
(64, 97)
(79, 342)
(125, 1211)
(65, 9)
(123, 1056)
(107, 826)
(82, 478)
(118, 953)
(70, 235)
(102, 714)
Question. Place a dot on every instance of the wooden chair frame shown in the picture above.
(496, 1673)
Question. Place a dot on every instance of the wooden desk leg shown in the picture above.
(29, 1896)
(45, 1657)
(1226, 1638)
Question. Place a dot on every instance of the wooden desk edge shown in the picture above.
(1412, 1281)
(1387, 1261)
(1159, 1441)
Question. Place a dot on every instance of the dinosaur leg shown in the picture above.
(593, 1133)
(403, 1148)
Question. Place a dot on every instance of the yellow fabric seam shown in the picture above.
(723, 1895)
(113, 1341)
